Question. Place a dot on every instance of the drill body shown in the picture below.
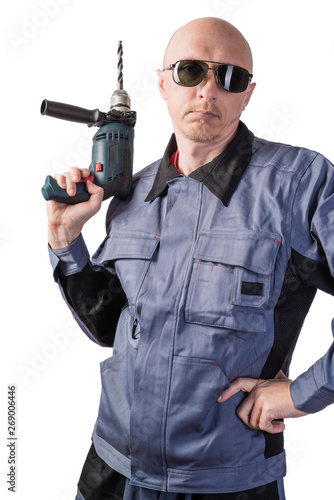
(112, 152)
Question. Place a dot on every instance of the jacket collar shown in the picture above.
(221, 176)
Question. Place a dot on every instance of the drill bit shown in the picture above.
(120, 66)
(120, 101)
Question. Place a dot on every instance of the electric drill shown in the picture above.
(112, 152)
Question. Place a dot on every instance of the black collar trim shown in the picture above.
(221, 176)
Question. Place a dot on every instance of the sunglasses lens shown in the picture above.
(233, 78)
(189, 73)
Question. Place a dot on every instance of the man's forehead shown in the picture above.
(213, 43)
(222, 54)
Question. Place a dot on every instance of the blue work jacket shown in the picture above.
(200, 280)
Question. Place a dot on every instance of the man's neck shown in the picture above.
(193, 155)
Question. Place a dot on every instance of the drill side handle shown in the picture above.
(72, 113)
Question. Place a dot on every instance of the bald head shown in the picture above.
(207, 39)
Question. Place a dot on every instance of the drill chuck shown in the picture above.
(120, 100)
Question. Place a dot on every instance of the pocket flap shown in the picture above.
(254, 250)
(129, 245)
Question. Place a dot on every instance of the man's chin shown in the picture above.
(201, 136)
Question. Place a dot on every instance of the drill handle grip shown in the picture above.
(52, 191)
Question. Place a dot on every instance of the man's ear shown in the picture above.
(161, 84)
(250, 91)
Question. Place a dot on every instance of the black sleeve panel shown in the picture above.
(312, 273)
(97, 298)
(291, 309)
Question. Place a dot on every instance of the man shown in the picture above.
(201, 286)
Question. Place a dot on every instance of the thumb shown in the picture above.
(93, 188)
(96, 195)
(275, 426)
(240, 384)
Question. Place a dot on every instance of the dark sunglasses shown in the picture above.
(189, 73)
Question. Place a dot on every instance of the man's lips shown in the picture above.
(203, 114)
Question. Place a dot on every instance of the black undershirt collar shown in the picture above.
(221, 175)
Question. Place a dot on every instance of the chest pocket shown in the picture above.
(232, 279)
(131, 253)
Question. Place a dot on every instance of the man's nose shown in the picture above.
(208, 88)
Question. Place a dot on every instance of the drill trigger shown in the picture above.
(90, 178)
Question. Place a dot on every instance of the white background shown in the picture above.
(65, 50)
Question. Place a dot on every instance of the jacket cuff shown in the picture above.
(69, 260)
(307, 393)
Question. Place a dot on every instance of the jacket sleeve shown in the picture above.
(93, 293)
(313, 260)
